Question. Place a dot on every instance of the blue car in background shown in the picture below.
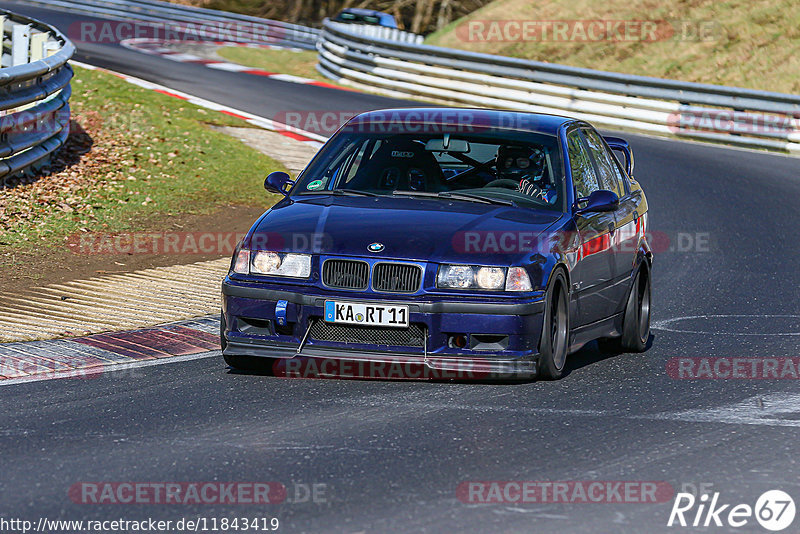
(493, 241)
(354, 15)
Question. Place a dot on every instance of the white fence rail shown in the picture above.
(745, 117)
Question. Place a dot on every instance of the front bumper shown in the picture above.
(501, 337)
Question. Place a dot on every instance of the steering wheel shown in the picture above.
(503, 182)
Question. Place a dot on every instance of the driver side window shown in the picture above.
(583, 174)
(610, 177)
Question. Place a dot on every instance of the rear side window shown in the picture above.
(583, 175)
(610, 177)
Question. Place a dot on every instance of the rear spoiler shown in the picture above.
(617, 143)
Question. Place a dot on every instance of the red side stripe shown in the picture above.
(170, 94)
(294, 135)
(259, 72)
(232, 114)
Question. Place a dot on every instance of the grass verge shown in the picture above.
(302, 63)
(136, 159)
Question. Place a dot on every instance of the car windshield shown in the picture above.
(346, 16)
(504, 167)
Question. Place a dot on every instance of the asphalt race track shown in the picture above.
(391, 454)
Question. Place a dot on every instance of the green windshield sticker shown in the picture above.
(316, 184)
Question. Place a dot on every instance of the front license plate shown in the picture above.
(366, 314)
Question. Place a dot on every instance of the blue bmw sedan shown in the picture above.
(450, 239)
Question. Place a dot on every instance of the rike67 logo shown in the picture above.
(774, 510)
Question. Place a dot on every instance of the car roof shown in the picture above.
(464, 117)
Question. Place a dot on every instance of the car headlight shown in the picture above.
(272, 263)
(471, 277)
(456, 276)
(491, 277)
(479, 277)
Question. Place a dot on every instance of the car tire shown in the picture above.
(554, 342)
(636, 319)
(222, 341)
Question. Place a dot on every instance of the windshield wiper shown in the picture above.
(341, 192)
(356, 192)
(450, 195)
(414, 194)
(475, 198)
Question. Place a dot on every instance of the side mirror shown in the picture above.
(277, 181)
(600, 200)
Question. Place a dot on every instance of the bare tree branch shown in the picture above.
(420, 16)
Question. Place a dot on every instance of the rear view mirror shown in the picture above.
(600, 200)
(277, 181)
(446, 144)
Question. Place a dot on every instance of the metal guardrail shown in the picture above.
(399, 65)
(746, 117)
(191, 21)
(382, 32)
(34, 93)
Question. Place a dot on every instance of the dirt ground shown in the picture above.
(20, 271)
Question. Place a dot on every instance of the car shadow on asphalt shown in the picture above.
(591, 354)
(588, 355)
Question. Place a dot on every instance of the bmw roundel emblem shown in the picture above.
(375, 247)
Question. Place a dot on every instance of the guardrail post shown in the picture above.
(51, 47)
(38, 43)
(20, 44)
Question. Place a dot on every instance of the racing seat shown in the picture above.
(400, 165)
